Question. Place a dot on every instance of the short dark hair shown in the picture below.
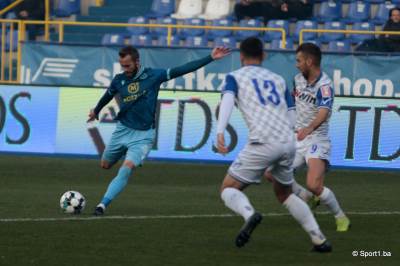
(129, 50)
(393, 9)
(252, 47)
(312, 50)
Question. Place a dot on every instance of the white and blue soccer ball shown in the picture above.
(72, 202)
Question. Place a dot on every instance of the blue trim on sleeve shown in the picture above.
(325, 102)
(230, 85)
(289, 99)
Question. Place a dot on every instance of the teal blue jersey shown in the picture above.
(138, 97)
(138, 94)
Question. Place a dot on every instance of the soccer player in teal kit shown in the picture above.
(133, 137)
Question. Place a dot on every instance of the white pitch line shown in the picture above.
(156, 217)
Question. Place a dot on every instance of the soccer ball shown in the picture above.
(72, 202)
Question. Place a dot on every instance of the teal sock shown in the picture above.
(117, 185)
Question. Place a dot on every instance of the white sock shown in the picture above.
(237, 201)
(301, 192)
(302, 213)
(101, 205)
(328, 198)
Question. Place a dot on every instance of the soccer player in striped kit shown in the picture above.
(314, 97)
(268, 110)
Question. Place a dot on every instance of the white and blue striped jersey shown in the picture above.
(264, 100)
(309, 98)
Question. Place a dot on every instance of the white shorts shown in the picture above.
(255, 158)
(312, 147)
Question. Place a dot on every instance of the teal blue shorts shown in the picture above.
(134, 144)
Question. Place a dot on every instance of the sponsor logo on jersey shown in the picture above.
(305, 97)
(133, 88)
(326, 91)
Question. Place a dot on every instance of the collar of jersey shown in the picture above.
(316, 81)
(139, 73)
(254, 65)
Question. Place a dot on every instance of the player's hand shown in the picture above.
(302, 133)
(221, 144)
(92, 116)
(219, 52)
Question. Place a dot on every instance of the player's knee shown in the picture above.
(268, 176)
(129, 164)
(314, 187)
(223, 187)
(282, 192)
(230, 182)
(105, 165)
(282, 198)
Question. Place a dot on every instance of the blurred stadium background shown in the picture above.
(171, 214)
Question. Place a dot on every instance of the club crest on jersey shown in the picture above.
(133, 87)
(326, 91)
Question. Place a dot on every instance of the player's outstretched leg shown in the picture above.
(303, 215)
(114, 188)
(315, 183)
(238, 202)
(342, 221)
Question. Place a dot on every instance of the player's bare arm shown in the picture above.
(221, 144)
(321, 117)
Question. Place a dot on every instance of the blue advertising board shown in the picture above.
(28, 118)
(352, 75)
(52, 120)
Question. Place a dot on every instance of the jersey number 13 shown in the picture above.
(268, 88)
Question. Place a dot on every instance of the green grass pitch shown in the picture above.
(171, 214)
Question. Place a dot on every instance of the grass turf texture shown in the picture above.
(30, 187)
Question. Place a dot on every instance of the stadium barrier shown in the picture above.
(80, 65)
(11, 6)
(52, 121)
(8, 38)
(365, 32)
(9, 41)
(60, 25)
